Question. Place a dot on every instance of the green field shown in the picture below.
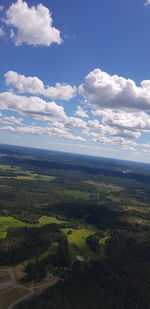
(76, 194)
(105, 187)
(9, 167)
(10, 222)
(103, 240)
(77, 242)
(23, 174)
(48, 220)
(51, 250)
(3, 235)
(30, 177)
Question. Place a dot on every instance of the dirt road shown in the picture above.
(6, 287)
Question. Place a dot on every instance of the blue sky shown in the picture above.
(75, 76)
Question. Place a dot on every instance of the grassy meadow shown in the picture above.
(77, 242)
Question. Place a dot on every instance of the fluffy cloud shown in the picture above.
(130, 121)
(74, 123)
(123, 123)
(127, 134)
(81, 113)
(119, 132)
(43, 131)
(125, 144)
(145, 145)
(145, 150)
(116, 125)
(10, 120)
(31, 106)
(129, 148)
(34, 85)
(41, 110)
(147, 2)
(93, 124)
(102, 90)
(57, 124)
(32, 25)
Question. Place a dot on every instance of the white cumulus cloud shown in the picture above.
(130, 121)
(31, 106)
(123, 123)
(145, 145)
(125, 144)
(43, 131)
(33, 85)
(121, 132)
(78, 124)
(93, 124)
(31, 25)
(81, 113)
(102, 90)
(113, 99)
(147, 2)
(10, 120)
(145, 150)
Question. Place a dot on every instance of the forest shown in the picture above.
(83, 219)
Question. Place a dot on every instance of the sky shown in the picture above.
(75, 76)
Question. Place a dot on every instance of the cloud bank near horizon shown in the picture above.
(114, 110)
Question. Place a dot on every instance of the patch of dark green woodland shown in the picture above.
(54, 166)
(49, 160)
(93, 242)
(37, 270)
(121, 280)
(18, 198)
(21, 198)
(24, 243)
(88, 211)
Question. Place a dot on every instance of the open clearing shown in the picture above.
(104, 186)
(78, 246)
(47, 220)
(16, 292)
(10, 222)
(103, 240)
(77, 242)
(4, 276)
(51, 251)
(20, 174)
(3, 235)
(30, 177)
(12, 296)
(9, 167)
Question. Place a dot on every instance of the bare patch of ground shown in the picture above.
(105, 185)
(12, 292)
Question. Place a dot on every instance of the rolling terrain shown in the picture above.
(74, 231)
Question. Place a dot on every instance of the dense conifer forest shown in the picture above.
(85, 220)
